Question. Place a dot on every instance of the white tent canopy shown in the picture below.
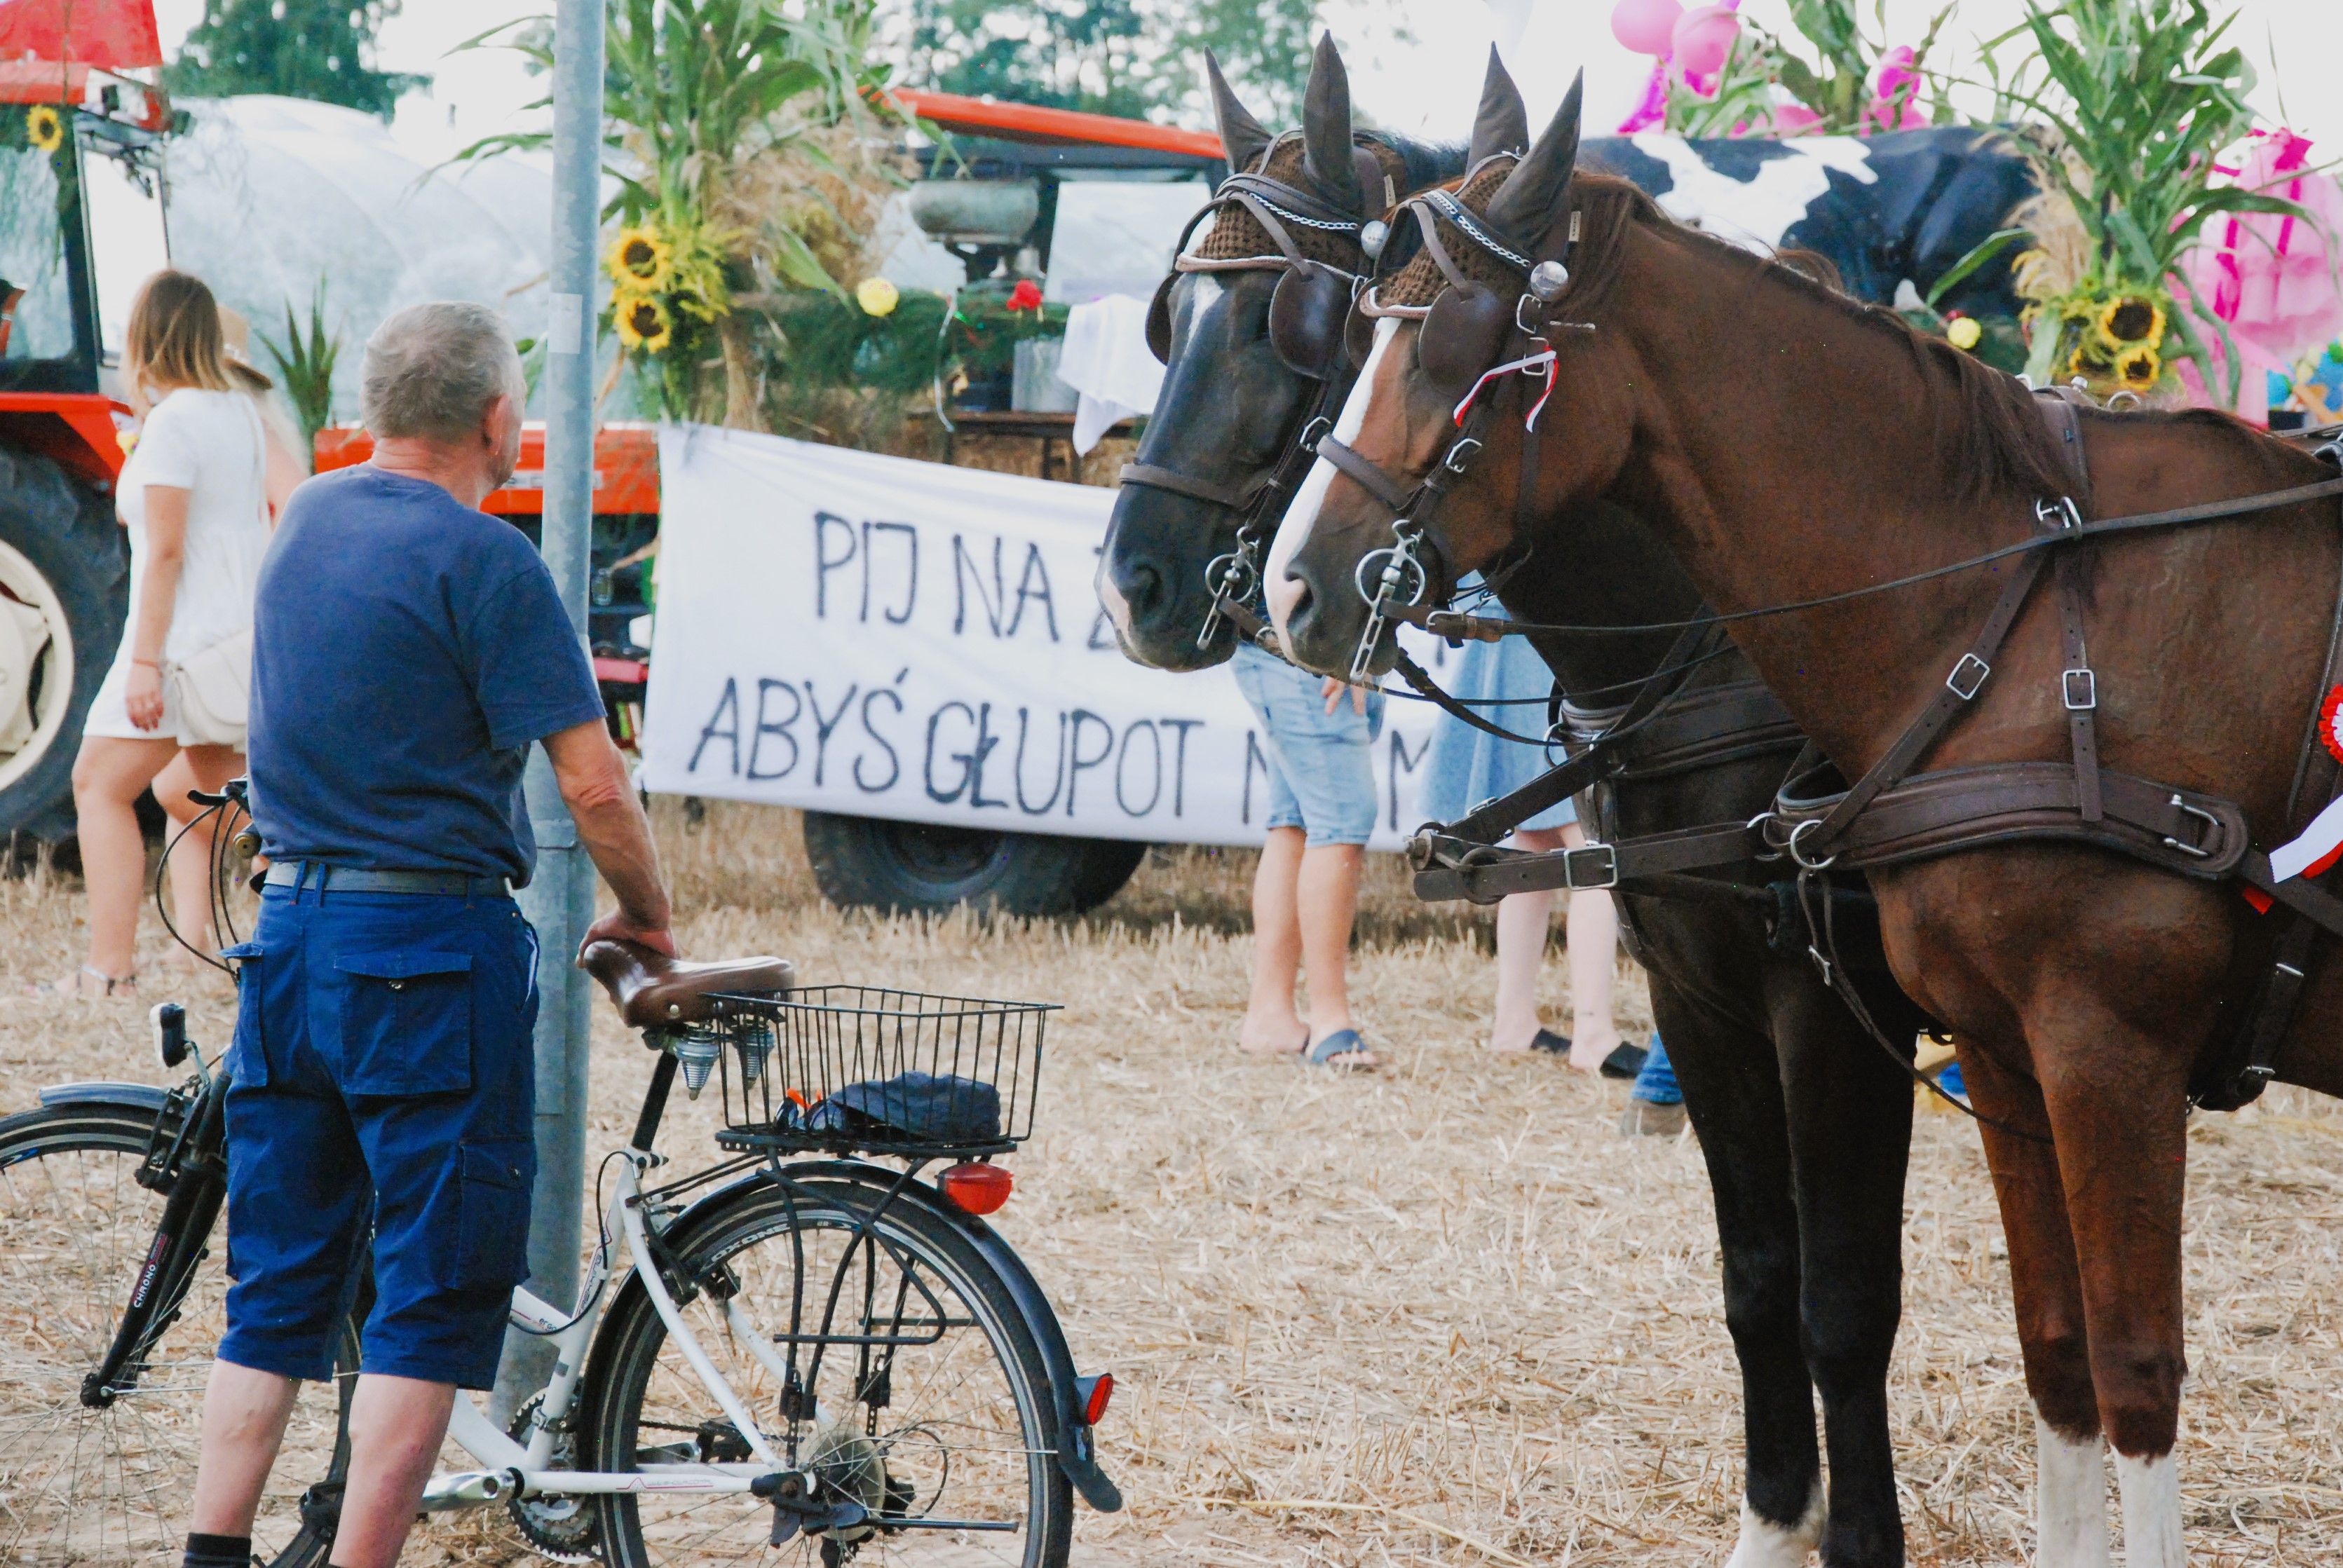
(271, 195)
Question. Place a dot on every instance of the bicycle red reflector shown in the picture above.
(977, 1189)
(1095, 1398)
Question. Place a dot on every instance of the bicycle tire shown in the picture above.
(627, 1362)
(110, 1484)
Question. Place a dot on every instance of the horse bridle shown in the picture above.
(1466, 330)
(1307, 313)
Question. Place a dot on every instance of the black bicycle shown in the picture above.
(795, 1355)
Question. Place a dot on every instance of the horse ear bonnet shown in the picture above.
(1503, 122)
(1242, 137)
(1329, 156)
(1159, 318)
(1461, 338)
(1533, 205)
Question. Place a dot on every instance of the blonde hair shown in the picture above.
(175, 339)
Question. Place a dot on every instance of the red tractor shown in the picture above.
(81, 226)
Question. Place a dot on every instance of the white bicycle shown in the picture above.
(804, 1357)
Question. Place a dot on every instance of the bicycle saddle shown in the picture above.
(653, 990)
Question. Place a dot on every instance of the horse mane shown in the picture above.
(1989, 437)
(1427, 164)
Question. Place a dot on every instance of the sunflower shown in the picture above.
(43, 129)
(642, 322)
(2131, 318)
(2139, 369)
(641, 260)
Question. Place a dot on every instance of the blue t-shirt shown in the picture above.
(406, 651)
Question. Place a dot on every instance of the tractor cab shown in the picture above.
(82, 193)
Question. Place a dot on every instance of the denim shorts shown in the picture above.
(383, 1082)
(1322, 776)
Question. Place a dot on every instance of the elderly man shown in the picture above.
(408, 649)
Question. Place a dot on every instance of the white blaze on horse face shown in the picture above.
(1765, 1544)
(2070, 1503)
(2151, 1512)
(1293, 532)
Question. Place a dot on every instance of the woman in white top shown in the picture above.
(198, 496)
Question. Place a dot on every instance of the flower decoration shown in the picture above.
(642, 322)
(641, 260)
(1026, 296)
(877, 297)
(44, 128)
(2131, 318)
(1963, 332)
(2139, 369)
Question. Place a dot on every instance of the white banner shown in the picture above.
(885, 638)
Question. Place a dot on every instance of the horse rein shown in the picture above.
(1234, 578)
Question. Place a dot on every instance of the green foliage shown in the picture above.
(1113, 56)
(2144, 95)
(301, 48)
(824, 341)
(304, 367)
(1835, 83)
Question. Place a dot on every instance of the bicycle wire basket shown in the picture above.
(843, 1068)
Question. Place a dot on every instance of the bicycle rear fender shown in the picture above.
(144, 1097)
(1070, 1436)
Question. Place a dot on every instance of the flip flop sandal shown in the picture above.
(1549, 1044)
(1625, 1061)
(77, 991)
(1342, 1042)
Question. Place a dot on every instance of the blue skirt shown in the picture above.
(1467, 767)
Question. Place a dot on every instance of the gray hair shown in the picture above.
(432, 370)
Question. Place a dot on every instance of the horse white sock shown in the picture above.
(2070, 1514)
(2151, 1512)
(1765, 1545)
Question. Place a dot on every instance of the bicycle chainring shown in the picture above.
(564, 1529)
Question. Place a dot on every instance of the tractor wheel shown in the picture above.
(64, 582)
(916, 868)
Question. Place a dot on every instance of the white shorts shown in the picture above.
(109, 710)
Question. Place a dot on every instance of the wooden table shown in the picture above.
(1048, 429)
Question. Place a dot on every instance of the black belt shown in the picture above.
(319, 876)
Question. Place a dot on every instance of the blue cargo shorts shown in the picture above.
(383, 1082)
(1322, 773)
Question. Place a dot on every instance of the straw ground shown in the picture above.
(1444, 1314)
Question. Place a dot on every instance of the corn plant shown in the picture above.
(305, 365)
(2142, 97)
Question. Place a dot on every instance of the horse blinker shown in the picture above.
(1306, 317)
(1462, 339)
(1159, 320)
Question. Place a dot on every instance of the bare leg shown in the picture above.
(1329, 904)
(244, 1412)
(108, 777)
(1592, 931)
(397, 1424)
(205, 768)
(1272, 1026)
(1521, 924)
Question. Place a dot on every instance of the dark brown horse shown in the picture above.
(1803, 1123)
(1787, 445)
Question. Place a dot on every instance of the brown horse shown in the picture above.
(1788, 443)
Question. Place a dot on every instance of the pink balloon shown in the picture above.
(1646, 27)
(1704, 39)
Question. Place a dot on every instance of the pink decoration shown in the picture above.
(1703, 40)
(1654, 109)
(1896, 79)
(2268, 278)
(1646, 27)
(1793, 119)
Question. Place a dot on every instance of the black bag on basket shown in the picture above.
(912, 1107)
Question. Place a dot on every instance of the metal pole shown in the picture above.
(560, 900)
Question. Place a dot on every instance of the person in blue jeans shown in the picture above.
(408, 651)
(1507, 683)
(1318, 737)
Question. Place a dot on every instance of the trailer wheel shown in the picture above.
(921, 867)
(64, 593)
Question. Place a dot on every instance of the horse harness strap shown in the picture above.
(1890, 815)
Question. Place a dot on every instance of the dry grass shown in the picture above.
(1442, 1314)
